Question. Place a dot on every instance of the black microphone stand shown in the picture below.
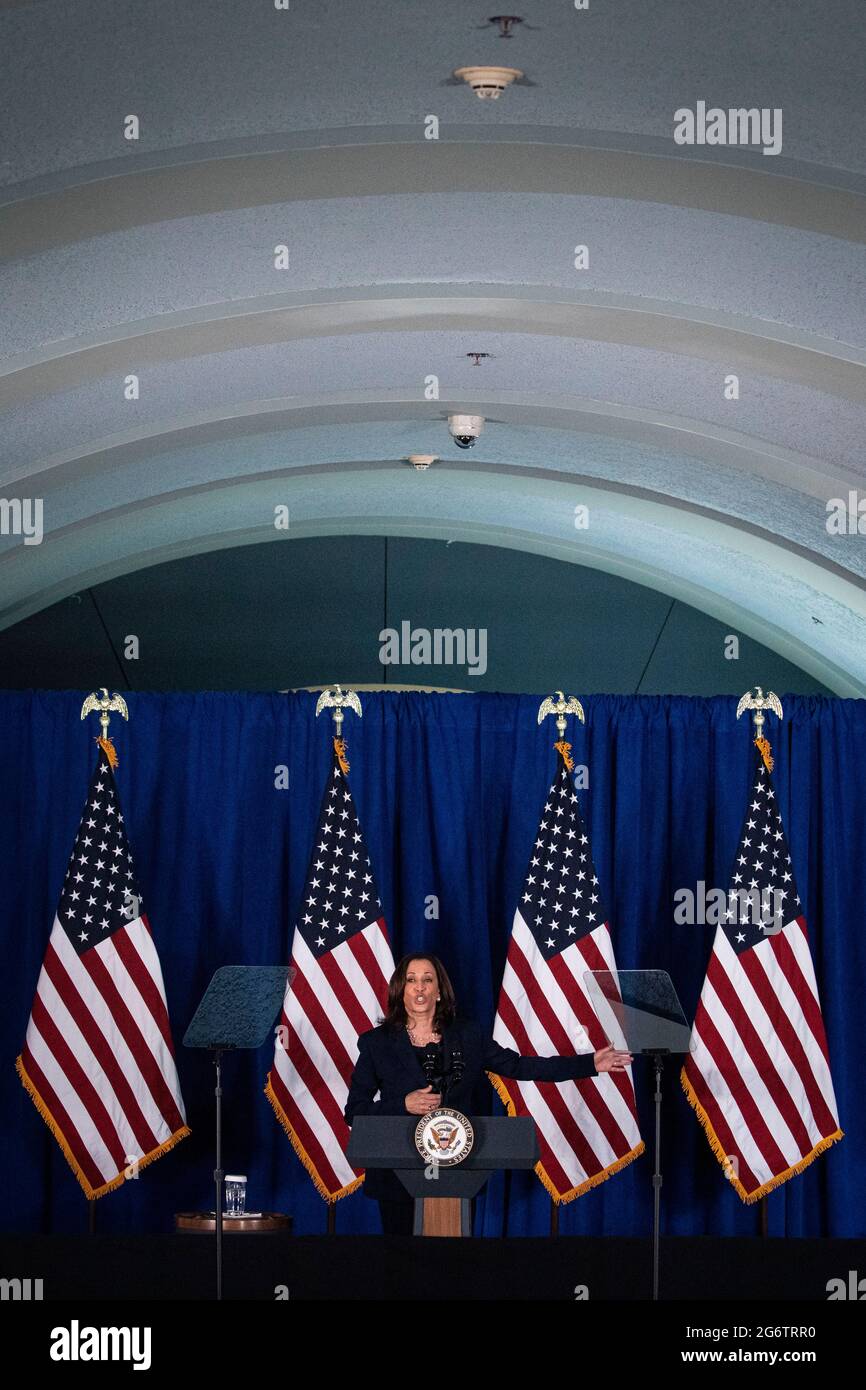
(443, 1079)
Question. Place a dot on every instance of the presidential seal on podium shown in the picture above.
(444, 1137)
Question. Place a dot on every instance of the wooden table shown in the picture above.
(204, 1221)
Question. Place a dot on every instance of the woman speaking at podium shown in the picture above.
(421, 1031)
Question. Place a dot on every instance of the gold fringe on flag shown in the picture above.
(718, 1148)
(91, 1193)
(108, 748)
(340, 750)
(565, 750)
(541, 1172)
(763, 747)
(302, 1153)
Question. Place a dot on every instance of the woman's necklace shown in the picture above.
(420, 1042)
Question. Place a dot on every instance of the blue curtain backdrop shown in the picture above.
(449, 790)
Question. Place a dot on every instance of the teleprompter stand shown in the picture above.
(237, 1010)
(641, 1014)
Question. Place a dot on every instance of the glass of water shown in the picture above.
(236, 1194)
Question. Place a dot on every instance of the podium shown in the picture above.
(442, 1195)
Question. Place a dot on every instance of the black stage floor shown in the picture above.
(265, 1267)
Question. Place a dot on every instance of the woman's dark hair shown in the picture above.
(395, 1012)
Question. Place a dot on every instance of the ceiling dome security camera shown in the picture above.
(465, 429)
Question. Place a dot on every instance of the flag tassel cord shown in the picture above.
(304, 1156)
(563, 1198)
(108, 748)
(91, 1193)
(564, 749)
(763, 747)
(718, 1148)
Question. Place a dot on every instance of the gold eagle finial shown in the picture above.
(758, 702)
(338, 700)
(104, 705)
(561, 706)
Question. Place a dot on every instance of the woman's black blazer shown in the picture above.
(387, 1064)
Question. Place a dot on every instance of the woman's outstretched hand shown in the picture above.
(608, 1059)
(419, 1102)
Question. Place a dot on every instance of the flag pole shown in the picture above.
(562, 706)
(757, 702)
(103, 704)
(338, 700)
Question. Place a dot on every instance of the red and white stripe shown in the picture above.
(586, 1129)
(98, 1057)
(759, 1071)
(328, 1004)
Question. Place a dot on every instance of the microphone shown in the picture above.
(432, 1064)
(457, 1065)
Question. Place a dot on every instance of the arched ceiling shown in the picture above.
(305, 386)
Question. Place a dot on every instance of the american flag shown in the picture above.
(98, 1058)
(587, 1130)
(342, 958)
(759, 1072)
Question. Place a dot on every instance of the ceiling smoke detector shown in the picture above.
(421, 462)
(487, 83)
